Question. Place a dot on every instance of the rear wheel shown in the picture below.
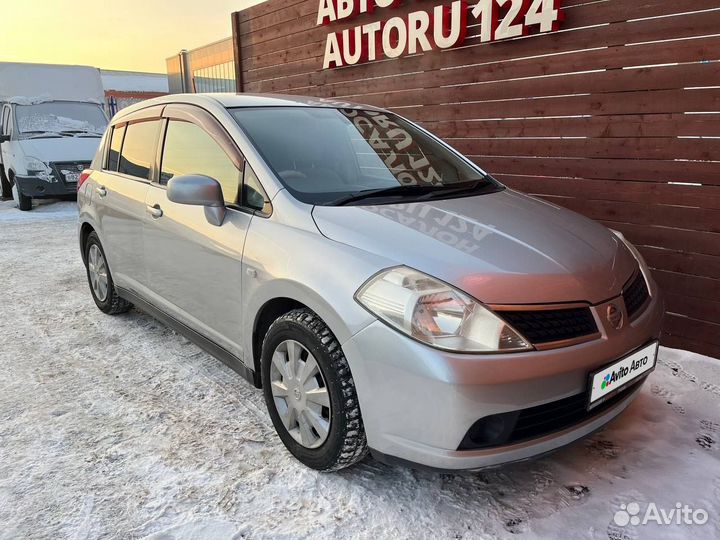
(101, 283)
(310, 393)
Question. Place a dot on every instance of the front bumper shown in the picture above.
(34, 187)
(418, 403)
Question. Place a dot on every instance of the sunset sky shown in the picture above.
(134, 35)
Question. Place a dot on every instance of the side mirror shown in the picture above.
(199, 190)
(4, 138)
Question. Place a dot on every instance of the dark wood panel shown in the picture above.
(540, 83)
(704, 331)
(669, 238)
(650, 102)
(680, 217)
(682, 263)
(679, 342)
(697, 308)
(610, 169)
(302, 30)
(616, 190)
(649, 125)
(682, 284)
(307, 72)
(618, 148)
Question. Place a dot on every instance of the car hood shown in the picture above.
(502, 248)
(61, 149)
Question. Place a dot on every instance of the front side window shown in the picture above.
(60, 118)
(115, 146)
(138, 148)
(333, 156)
(189, 149)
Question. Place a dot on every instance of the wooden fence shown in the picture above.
(616, 116)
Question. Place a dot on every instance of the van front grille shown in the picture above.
(549, 325)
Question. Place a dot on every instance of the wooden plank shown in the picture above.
(697, 308)
(688, 50)
(619, 148)
(679, 342)
(651, 102)
(680, 217)
(669, 238)
(613, 80)
(683, 263)
(704, 331)
(649, 125)
(615, 190)
(304, 30)
(607, 169)
(694, 286)
(264, 54)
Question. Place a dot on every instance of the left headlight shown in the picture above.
(36, 167)
(436, 313)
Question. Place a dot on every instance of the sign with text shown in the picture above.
(443, 26)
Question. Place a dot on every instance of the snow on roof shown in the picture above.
(131, 81)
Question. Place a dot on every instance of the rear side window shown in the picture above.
(115, 146)
(189, 149)
(138, 149)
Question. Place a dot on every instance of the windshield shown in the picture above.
(331, 156)
(60, 117)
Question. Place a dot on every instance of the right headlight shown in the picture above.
(436, 313)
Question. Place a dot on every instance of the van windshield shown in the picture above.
(330, 156)
(60, 117)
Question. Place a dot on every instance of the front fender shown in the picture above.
(281, 261)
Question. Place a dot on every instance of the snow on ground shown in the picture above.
(118, 428)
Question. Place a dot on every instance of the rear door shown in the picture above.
(119, 194)
(194, 267)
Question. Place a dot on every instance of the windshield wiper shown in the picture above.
(383, 192)
(421, 192)
(37, 134)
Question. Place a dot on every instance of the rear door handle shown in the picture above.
(102, 191)
(155, 211)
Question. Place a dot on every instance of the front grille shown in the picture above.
(548, 325)
(67, 171)
(534, 422)
(635, 295)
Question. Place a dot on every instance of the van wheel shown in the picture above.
(24, 202)
(101, 283)
(5, 184)
(310, 393)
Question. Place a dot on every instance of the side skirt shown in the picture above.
(198, 339)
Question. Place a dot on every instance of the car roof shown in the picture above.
(230, 100)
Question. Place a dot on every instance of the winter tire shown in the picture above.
(99, 278)
(5, 184)
(310, 393)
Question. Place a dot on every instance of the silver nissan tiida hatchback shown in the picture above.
(384, 292)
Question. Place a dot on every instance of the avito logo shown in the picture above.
(623, 372)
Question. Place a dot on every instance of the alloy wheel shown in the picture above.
(97, 270)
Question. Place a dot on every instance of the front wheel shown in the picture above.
(5, 185)
(24, 203)
(310, 393)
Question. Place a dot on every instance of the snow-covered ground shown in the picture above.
(117, 428)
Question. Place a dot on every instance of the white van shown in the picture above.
(51, 122)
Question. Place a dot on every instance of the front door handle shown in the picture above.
(102, 191)
(155, 211)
